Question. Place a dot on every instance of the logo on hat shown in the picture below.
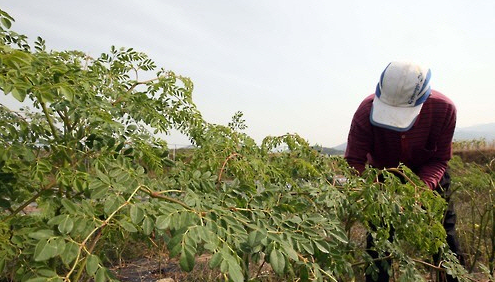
(416, 89)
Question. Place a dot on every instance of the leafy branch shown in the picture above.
(82, 245)
(31, 200)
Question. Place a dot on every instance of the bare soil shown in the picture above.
(153, 268)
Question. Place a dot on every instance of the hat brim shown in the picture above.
(394, 118)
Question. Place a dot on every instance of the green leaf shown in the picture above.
(186, 260)
(17, 240)
(162, 222)
(175, 244)
(60, 245)
(185, 219)
(174, 250)
(47, 97)
(317, 272)
(103, 177)
(277, 261)
(137, 214)
(340, 235)
(65, 227)
(2, 262)
(78, 184)
(128, 151)
(308, 247)
(67, 92)
(7, 88)
(215, 260)
(235, 271)
(322, 246)
(45, 249)
(19, 94)
(290, 251)
(205, 234)
(148, 226)
(6, 22)
(168, 162)
(69, 253)
(177, 221)
(92, 264)
(101, 275)
(114, 173)
(42, 234)
(56, 219)
(128, 226)
(112, 204)
(99, 192)
(110, 142)
(47, 273)
(255, 238)
(224, 266)
(69, 205)
(38, 279)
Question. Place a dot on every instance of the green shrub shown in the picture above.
(474, 197)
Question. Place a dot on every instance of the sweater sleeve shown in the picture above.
(359, 141)
(432, 171)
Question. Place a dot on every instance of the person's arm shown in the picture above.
(432, 172)
(360, 138)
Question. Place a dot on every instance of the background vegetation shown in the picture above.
(83, 177)
(474, 190)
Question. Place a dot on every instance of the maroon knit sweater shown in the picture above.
(425, 148)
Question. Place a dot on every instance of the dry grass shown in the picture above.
(478, 151)
(479, 156)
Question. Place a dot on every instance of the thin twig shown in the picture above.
(31, 200)
(258, 273)
(160, 196)
(137, 83)
(429, 265)
(224, 164)
(373, 260)
(50, 121)
(83, 243)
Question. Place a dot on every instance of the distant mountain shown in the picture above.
(328, 151)
(341, 147)
(479, 131)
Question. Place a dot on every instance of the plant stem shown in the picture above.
(160, 196)
(90, 250)
(134, 86)
(492, 255)
(373, 260)
(258, 273)
(31, 200)
(49, 119)
(429, 265)
(83, 243)
(224, 164)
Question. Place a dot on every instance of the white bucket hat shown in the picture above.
(399, 96)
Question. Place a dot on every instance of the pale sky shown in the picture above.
(290, 66)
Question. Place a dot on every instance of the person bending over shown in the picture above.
(405, 121)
